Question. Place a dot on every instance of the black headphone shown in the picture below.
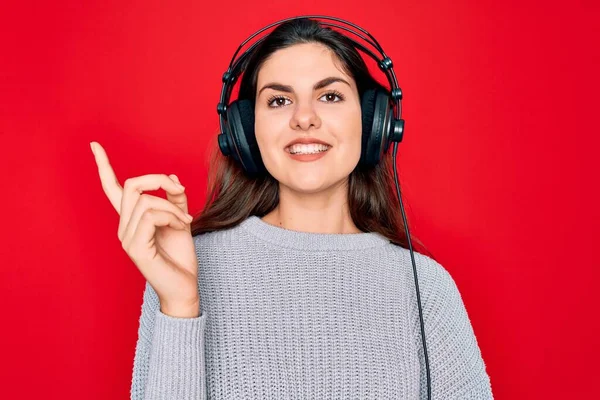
(381, 123)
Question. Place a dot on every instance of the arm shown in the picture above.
(169, 354)
(456, 366)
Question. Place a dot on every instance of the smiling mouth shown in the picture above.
(300, 150)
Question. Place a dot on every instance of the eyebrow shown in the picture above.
(288, 89)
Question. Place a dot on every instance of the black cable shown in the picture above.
(412, 256)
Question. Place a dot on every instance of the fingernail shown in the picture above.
(92, 147)
(189, 217)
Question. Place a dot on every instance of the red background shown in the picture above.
(498, 167)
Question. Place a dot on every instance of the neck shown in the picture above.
(313, 213)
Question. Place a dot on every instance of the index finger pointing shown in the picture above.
(110, 184)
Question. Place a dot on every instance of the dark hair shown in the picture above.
(232, 195)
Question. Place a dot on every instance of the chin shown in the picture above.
(306, 184)
(309, 177)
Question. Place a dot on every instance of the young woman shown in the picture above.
(296, 283)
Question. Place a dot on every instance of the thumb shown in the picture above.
(180, 200)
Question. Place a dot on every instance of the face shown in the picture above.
(290, 104)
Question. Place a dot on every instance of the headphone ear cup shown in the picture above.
(240, 117)
(376, 114)
(367, 109)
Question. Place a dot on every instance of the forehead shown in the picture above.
(306, 62)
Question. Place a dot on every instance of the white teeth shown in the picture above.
(307, 148)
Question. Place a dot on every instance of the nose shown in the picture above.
(304, 117)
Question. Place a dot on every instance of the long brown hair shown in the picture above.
(233, 196)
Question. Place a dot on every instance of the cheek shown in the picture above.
(348, 134)
(268, 132)
(348, 150)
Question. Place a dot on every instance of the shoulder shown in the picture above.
(438, 290)
(434, 275)
(219, 236)
(222, 241)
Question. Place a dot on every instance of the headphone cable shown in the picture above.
(412, 256)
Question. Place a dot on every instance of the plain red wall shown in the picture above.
(499, 170)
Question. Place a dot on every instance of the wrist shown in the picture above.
(187, 310)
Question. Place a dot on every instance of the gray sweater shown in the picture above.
(297, 315)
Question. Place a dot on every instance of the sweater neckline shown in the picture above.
(309, 241)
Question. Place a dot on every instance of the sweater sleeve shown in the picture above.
(456, 366)
(169, 354)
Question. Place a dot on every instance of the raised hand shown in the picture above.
(155, 233)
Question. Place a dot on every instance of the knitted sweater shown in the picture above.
(297, 315)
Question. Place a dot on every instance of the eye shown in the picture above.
(276, 99)
(334, 93)
(280, 100)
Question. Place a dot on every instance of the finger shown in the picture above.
(150, 202)
(180, 200)
(108, 179)
(140, 245)
(133, 189)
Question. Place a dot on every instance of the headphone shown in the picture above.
(382, 124)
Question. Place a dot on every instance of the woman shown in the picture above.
(296, 283)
